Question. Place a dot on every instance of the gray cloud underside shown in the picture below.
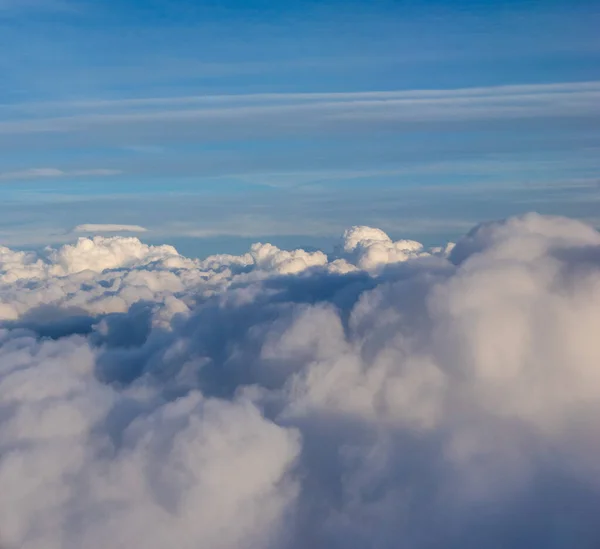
(384, 396)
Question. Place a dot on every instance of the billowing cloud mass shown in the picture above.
(386, 396)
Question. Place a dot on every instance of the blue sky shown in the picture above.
(219, 123)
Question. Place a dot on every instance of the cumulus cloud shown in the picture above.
(108, 228)
(384, 396)
(369, 247)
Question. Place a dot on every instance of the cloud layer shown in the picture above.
(385, 396)
(276, 113)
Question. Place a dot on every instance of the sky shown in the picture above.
(268, 278)
(384, 395)
(215, 124)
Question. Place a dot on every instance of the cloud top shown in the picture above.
(384, 395)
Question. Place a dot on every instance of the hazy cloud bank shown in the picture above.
(385, 396)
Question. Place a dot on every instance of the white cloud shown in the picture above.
(384, 395)
(369, 248)
(108, 228)
(41, 173)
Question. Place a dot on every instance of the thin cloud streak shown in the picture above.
(43, 173)
(301, 110)
(484, 91)
(108, 228)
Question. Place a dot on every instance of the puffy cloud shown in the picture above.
(370, 248)
(271, 258)
(100, 253)
(387, 395)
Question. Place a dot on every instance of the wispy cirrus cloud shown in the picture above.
(50, 173)
(108, 228)
(299, 111)
(489, 92)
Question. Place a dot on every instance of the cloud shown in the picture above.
(387, 394)
(41, 173)
(369, 248)
(107, 228)
(301, 111)
(514, 91)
